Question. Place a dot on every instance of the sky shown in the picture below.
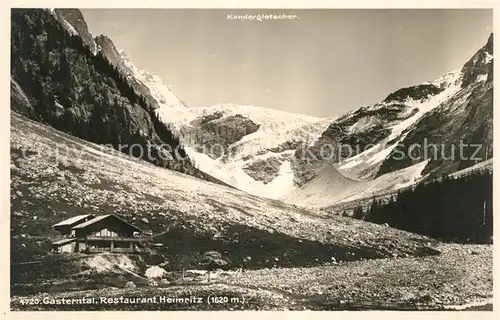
(323, 63)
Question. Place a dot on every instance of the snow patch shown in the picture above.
(482, 77)
(52, 11)
(380, 156)
(358, 159)
(283, 183)
(364, 124)
(449, 79)
(70, 29)
(453, 86)
(233, 174)
(326, 186)
(95, 48)
(331, 189)
(375, 155)
(414, 174)
(276, 128)
(488, 57)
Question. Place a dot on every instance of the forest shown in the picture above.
(447, 208)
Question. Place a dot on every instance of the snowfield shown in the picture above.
(378, 153)
(276, 127)
(332, 187)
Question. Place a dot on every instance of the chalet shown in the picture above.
(64, 227)
(106, 233)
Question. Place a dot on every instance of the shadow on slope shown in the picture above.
(251, 248)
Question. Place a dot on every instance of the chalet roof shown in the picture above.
(99, 218)
(63, 242)
(72, 220)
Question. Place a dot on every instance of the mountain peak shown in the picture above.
(480, 66)
(161, 92)
(73, 21)
(108, 49)
(489, 44)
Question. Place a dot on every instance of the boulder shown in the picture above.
(155, 272)
(152, 283)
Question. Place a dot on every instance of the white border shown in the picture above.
(235, 4)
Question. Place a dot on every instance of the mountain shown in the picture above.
(61, 77)
(73, 21)
(145, 83)
(276, 155)
(77, 100)
(153, 92)
(466, 116)
(248, 147)
(413, 135)
(281, 155)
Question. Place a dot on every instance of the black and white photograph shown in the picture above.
(270, 159)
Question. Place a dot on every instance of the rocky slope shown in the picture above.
(148, 85)
(466, 117)
(55, 176)
(73, 21)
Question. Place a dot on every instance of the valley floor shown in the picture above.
(460, 278)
